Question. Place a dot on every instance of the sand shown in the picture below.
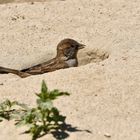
(105, 88)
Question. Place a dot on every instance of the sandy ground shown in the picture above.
(105, 96)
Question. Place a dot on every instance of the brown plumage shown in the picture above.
(66, 57)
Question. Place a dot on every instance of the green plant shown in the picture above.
(43, 119)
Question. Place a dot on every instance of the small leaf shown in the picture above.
(8, 103)
(45, 105)
(36, 132)
(55, 93)
(55, 116)
(55, 111)
(38, 94)
(44, 88)
(44, 92)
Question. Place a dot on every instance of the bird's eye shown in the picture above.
(72, 46)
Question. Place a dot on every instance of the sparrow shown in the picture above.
(66, 57)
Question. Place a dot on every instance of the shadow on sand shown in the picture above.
(60, 133)
(63, 131)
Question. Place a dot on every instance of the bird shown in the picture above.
(66, 57)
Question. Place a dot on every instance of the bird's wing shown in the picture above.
(48, 66)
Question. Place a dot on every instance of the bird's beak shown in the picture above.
(81, 46)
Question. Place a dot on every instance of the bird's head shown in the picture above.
(68, 48)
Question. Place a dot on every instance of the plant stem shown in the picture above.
(43, 118)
